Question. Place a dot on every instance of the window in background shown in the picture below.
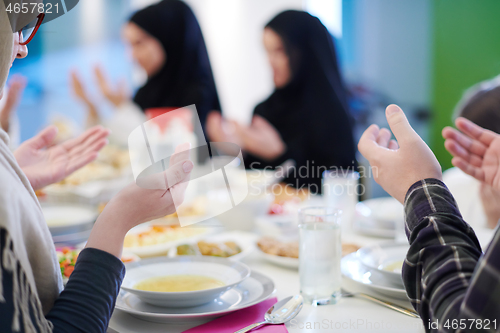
(329, 12)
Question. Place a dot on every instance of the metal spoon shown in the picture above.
(279, 313)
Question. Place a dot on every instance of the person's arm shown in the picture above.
(87, 302)
(85, 305)
(438, 270)
(450, 286)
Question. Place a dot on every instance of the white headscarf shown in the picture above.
(27, 242)
(6, 45)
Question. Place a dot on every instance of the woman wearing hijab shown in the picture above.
(306, 118)
(167, 43)
(31, 296)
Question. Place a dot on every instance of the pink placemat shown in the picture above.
(242, 318)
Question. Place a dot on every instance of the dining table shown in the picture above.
(352, 314)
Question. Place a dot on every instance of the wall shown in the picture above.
(387, 45)
(466, 51)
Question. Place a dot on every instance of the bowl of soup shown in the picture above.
(183, 281)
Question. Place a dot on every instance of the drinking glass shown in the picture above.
(320, 251)
(340, 191)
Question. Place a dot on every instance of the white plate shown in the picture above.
(378, 217)
(245, 240)
(386, 259)
(66, 219)
(354, 270)
(229, 272)
(253, 290)
(279, 260)
(72, 239)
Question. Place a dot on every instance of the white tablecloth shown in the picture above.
(348, 315)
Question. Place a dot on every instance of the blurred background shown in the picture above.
(420, 54)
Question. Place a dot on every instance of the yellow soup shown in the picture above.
(179, 283)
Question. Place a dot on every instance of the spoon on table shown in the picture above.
(279, 313)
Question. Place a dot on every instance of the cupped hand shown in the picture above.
(44, 163)
(398, 165)
(117, 96)
(261, 139)
(222, 130)
(134, 204)
(475, 150)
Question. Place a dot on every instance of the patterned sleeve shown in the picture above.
(452, 286)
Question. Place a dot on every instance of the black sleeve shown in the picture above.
(85, 305)
(87, 302)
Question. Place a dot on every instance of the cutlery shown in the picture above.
(387, 304)
(279, 313)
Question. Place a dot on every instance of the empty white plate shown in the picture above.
(353, 269)
(386, 259)
(230, 273)
(251, 291)
(378, 217)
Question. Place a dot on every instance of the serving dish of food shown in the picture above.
(234, 245)
(286, 252)
(155, 238)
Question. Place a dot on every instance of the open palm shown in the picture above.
(475, 150)
(44, 164)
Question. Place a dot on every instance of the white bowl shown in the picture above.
(385, 259)
(230, 272)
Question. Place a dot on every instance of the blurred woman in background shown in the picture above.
(306, 118)
(167, 43)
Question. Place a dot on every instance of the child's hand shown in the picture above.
(135, 205)
(398, 165)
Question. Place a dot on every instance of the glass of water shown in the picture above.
(320, 251)
(341, 190)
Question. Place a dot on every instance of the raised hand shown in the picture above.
(45, 164)
(221, 130)
(398, 165)
(134, 205)
(17, 85)
(116, 96)
(80, 93)
(475, 150)
(261, 139)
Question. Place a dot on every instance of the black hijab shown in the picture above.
(311, 111)
(186, 77)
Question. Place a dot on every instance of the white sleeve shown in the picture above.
(14, 127)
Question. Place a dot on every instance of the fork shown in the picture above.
(387, 304)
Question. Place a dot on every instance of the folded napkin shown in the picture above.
(242, 318)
